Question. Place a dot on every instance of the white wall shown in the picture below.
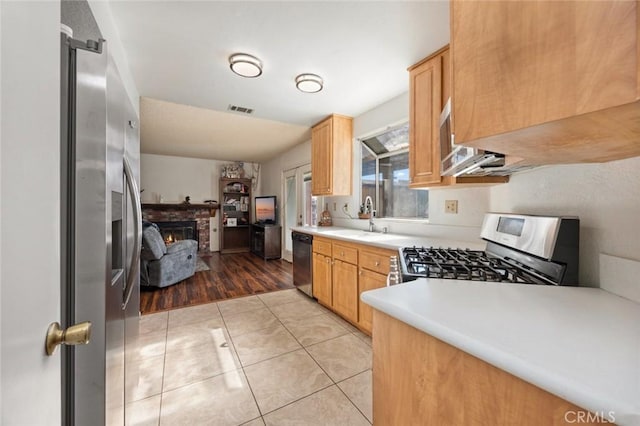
(101, 10)
(271, 171)
(472, 203)
(390, 113)
(174, 178)
(177, 177)
(605, 196)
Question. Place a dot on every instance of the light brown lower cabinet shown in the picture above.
(321, 265)
(342, 271)
(345, 290)
(420, 380)
(368, 280)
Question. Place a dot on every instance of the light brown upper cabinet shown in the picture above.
(331, 156)
(428, 93)
(550, 82)
(430, 84)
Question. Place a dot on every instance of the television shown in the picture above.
(266, 210)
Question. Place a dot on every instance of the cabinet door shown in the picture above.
(322, 278)
(345, 290)
(424, 114)
(368, 281)
(321, 158)
(526, 74)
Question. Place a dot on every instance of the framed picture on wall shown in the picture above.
(232, 221)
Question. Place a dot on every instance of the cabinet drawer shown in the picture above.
(376, 261)
(322, 247)
(345, 253)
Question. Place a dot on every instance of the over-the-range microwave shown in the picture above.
(458, 160)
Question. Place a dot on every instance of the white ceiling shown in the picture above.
(178, 53)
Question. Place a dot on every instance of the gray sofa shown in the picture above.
(161, 266)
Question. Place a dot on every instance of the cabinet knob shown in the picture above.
(342, 253)
(377, 263)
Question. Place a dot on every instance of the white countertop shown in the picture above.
(387, 241)
(581, 344)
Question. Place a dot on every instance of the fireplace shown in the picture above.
(202, 214)
(178, 230)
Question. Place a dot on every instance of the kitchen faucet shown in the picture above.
(368, 208)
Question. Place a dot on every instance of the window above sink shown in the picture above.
(384, 175)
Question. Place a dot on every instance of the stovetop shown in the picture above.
(461, 264)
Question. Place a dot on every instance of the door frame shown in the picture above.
(298, 174)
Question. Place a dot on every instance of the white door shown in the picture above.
(290, 212)
(30, 381)
(299, 205)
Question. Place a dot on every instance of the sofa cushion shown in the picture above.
(153, 246)
(173, 267)
(182, 245)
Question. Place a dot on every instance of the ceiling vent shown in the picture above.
(243, 110)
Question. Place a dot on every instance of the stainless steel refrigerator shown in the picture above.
(101, 232)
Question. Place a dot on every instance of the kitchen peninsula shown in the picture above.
(460, 352)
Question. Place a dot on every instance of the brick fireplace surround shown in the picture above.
(201, 213)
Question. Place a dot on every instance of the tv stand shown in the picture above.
(266, 240)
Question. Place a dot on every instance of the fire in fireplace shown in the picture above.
(178, 230)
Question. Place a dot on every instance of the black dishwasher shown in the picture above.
(302, 266)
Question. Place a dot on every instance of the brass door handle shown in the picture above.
(78, 334)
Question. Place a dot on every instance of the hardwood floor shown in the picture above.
(231, 275)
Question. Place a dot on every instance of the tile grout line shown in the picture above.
(347, 378)
(324, 311)
(164, 361)
(204, 379)
(334, 383)
(349, 399)
(301, 398)
(244, 373)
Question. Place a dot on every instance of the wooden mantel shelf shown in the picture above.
(181, 206)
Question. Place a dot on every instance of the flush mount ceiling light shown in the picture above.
(245, 65)
(309, 83)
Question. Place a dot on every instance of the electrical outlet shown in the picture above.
(451, 206)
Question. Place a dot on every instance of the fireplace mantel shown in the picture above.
(181, 206)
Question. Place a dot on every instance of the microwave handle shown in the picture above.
(476, 166)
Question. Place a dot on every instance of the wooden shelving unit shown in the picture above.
(235, 217)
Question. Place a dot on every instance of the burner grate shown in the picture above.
(460, 264)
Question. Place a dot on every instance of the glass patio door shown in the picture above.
(299, 205)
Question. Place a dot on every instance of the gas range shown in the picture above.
(460, 264)
(520, 249)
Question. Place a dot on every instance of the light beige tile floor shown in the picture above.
(273, 359)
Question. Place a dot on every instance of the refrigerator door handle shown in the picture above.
(137, 209)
